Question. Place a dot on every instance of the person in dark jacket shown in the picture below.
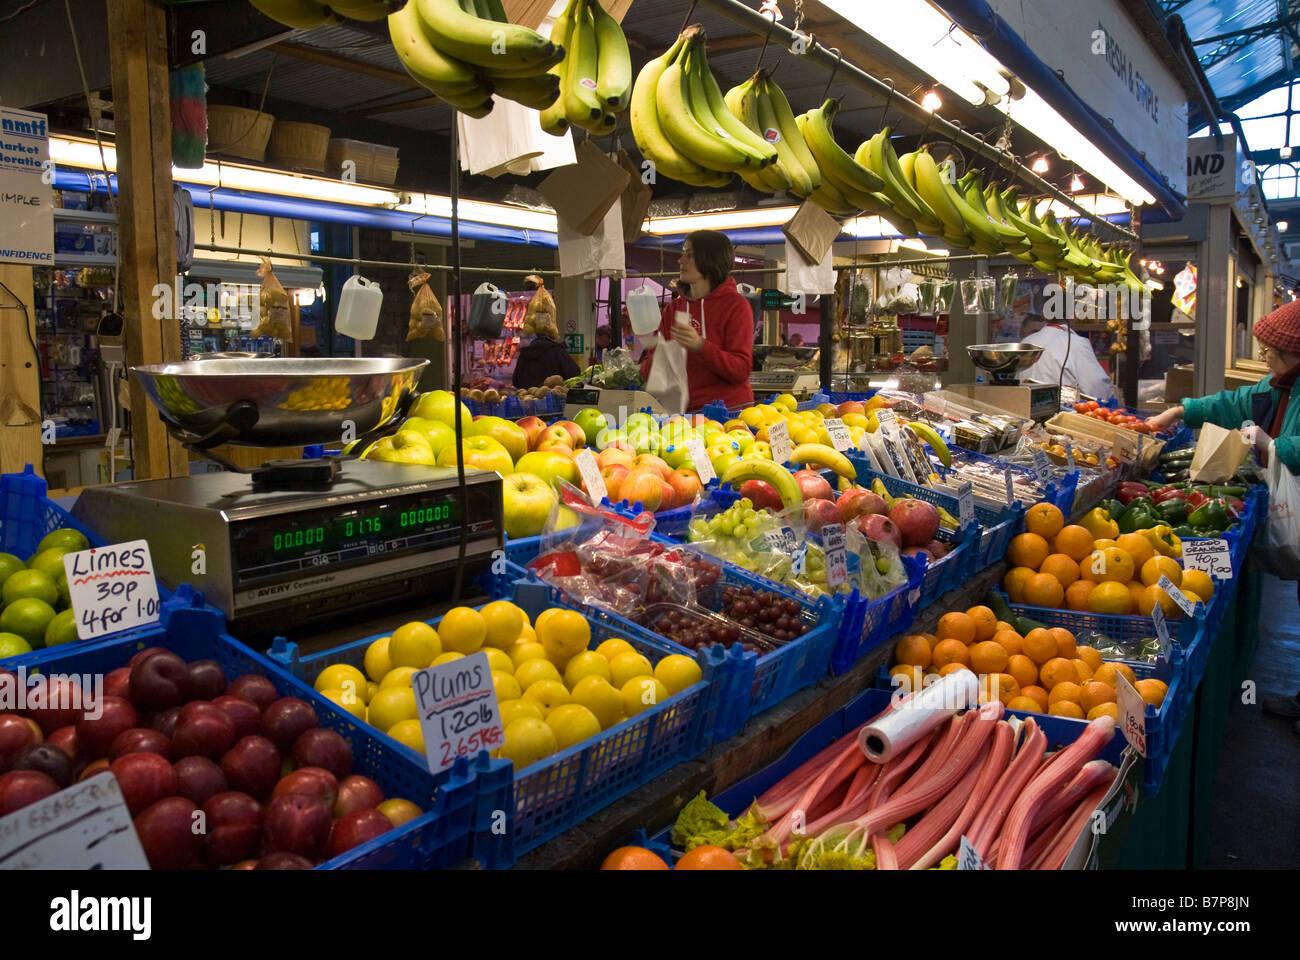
(544, 357)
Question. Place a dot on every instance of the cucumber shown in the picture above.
(999, 606)
(1024, 624)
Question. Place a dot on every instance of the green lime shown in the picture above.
(65, 598)
(12, 645)
(30, 583)
(62, 629)
(49, 561)
(71, 540)
(9, 565)
(28, 617)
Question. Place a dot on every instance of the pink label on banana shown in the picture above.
(772, 135)
(587, 82)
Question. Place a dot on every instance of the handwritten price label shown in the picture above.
(968, 857)
(1133, 714)
(839, 435)
(85, 827)
(457, 708)
(887, 419)
(1042, 467)
(112, 588)
(1069, 456)
(837, 561)
(1011, 486)
(778, 437)
(1212, 556)
(703, 466)
(966, 503)
(1069, 395)
(1162, 631)
(591, 478)
(1180, 598)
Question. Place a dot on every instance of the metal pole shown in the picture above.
(457, 333)
(360, 262)
(824, 341)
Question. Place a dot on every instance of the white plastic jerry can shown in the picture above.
(643, 311)
(359, 306)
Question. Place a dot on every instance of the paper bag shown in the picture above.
(810, 278)
(812, 230)
(667, 380)
(1219, 453)
(636, 199)
(583, 192)
(600, 253)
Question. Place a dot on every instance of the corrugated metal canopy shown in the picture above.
(1243, 45)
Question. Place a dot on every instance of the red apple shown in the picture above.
(234, 827)
(325, 749)
(44, 758)
(145, 778)
(297, 823)
(668, 497)
(204, 730)
(879, 528)
(313, 781)
(166, 831)
(533, 428)
(857, 501)
(15, 733)
(145, 654)
(55, 702)
(282, 860)
(286, 720)
(818, 513)
(686, 484)
(577, 435)
(117, 683)
(355, 828)
(140, 740)
(164, 721)
(252, 765)
(917, 521)
(254, 687)
(357, 793)
(160, 681)
(616, 455)
(244, 714)
(614, 475)
(762, 495)
(644, 486)
(813, 485)
(554, 438)
(199, 778)
(19, 788)
(648, 461)
(94, 768)
(96, 734)
(849, 406)
(207, 680)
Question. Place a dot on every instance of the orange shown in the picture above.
(1103, 544)
(1096, 693)
(1066, 708)
(1035, 693)
(1082, 668)
(1009, 640)
(1136, 546)
(1044, 519)
(1199, 583)
(909, 682)
(1138, 591)
(1108, 565)
(1044, 590)
(1074, 541)
(1110, 598)
(1104, 710)
(1152, 690)
(1065, 690)
(914, 650)
(1057, 670)
(1041, 646)
(1106, 672)
(1191, 595)
(952, 668)
(1027, 550)
(1089, 655)
(1062, 568)
(1024, 704)
(709, 857)
(1076, 595)
(1064, 641)
(1153, 568)
(1003, 625)
(1003, 684)
(956, 626)
(949, 651)
(988, 657)
(1014, 582)
(986, 622)
(1024, 670)
(634, 858)
(1154, 595)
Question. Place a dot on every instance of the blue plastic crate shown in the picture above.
(567, 787)
(995, 538)
(985, 516)
(1059, 492)
(436, 839)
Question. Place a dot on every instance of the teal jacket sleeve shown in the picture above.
(1227, 409)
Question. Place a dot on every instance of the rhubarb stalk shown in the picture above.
(989, 821)
(1068, 835)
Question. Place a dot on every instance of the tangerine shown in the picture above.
(988, 657)
(913, 649)
(1028, 550)
(947, 652)
(1044, 590)
(1198, 582)
(1136, 546)
(1153, 595)
(998, 686)
(1094, 694)
(1010, 641)
(1082, 668)
(1157, 566)
(1074, 541)
(952, 668)
(1037, 694)
(1113, 598)
(633, 858)
(1014, 582)
(1076, 595)
(1107, 671)
(956, 626)
(986, 622)
(1065, 690)
(1066, 708)
(708, 857)
(910, 677)
(1041, 646)
(1022, 669)
(1062, 568)
(1003, 625)
(1064, 641)
(1044, 519)
(1138, 591)
(1152, 690)
(1089, 655)
(1024, 704)
(1057, 670)
(1107, 565)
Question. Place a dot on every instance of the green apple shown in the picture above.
(675, 431)
(675, 455)
(744, 440)
(640, 420)
(592, 422)
(439, 434)
(505, 432)
(644, 441)
(722, 460)
(480, 453)
(440, 405)
(406, 446)
(551, 465)
(527, 501)
(710, 429)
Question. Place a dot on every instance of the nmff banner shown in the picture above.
(26, 199)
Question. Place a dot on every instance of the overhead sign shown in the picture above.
(26, 198)
(1216, 168)
(1106, 61)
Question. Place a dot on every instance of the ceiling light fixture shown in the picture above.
(931, 101)
(1284, 152)
(1282, 225)
(1076, 184)
(1041, 165)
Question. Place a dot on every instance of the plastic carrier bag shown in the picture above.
(1277, 549)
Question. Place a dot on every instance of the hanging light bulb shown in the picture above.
(1282, 225)
(771, 10)
(931, 101)
(1076, 184)
(1284, 152)
(1040, 165)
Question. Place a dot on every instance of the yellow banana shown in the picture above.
(927, 433)
(420, 57)
(553, 118)
(614, 62)
(748, 138)
(879, 489)
(775, 98)
(824, 455)
(683, 119)
(300, 14)
(742, 100)
(781, 479)
(485, 43)
(852, 179)
(649, 133)
(581, 105)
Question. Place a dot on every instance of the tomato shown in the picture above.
(1092, 405)
(1080, 408)
(1142, 427)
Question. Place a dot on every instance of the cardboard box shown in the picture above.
(583, 192)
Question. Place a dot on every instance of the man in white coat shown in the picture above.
(1082, 370)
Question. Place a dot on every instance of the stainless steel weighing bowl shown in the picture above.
(268, 402)
(1004, 359)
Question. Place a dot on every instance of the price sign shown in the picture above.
(1042, 467)
(839, 434)
(1069, 395)
(837, 561)
(1180, 598)
(779, 541)
(887, 419)
(800, 560)
(457, 707)
(1124, 449)
(1011, 486)
(1162, 631)
(1212, 556)
(112, 588)
(1132, 713)
(591, 478)
(778, 437)
(703, 466)
(85, 827)
(1142, 437)
(1069, 456)
(966, 503)
(968, 858)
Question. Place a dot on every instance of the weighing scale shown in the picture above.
(615, 404)
(1036, 401)
(791, 370)
(299, 543)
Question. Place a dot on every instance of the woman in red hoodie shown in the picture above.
(720, 338)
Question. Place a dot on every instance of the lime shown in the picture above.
(71, 540)
(49, 562)
(62, 629)
(12, 645)
(30, 584)
(28, 617)
(65, 598)
(9, 565)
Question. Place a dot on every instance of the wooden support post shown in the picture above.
(20, 389)
(137, 40)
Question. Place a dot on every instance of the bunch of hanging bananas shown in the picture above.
(762, 107)
(595, 77)
(305, 14)
(465, 51)
(683, 125)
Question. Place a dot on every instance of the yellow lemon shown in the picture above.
(599, 696)
(564, 634)
(408, 733)
(642, 693)
(504, 623)
(549, 694)
(377, 661)
(611, 648)
(506, 686)
(530, 671)
(391, 707)
(399, 810)
(528, 740)
(499, 660)
(572, 723)
(346, 699)
(340, 676)
(397, 678)
(463, 630)
(414, 645)
(526, 650)
(1198, 582)
(512, 710)
(447, 657)
(626, 666)
(526, 632)
(677, 672)
(589, 663)
(371, 689)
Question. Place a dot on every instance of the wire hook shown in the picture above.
(771, 23)
(839, 58)
(690, 11)
(889, 98)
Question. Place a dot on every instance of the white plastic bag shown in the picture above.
(667, 379)
(810, 279)
(601, 254)
(1277, 549)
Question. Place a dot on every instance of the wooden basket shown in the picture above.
(375, 163)
(238, 132)
(299, 146)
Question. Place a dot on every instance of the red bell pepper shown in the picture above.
(1128, 490)
(1195, 499)
(1168, 493)
(1236, 504)
(1233, 509)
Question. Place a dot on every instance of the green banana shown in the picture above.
(581, 104)
(614, 61)
(855, 181)
(704, 90)
(877, 155)
(788, 130)
(742, 100)
(366, 10)
(787, 161)
(537, 93)
(300, 14)
(708, 147)
(832, 201)
(552, 118)
(482, 42)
